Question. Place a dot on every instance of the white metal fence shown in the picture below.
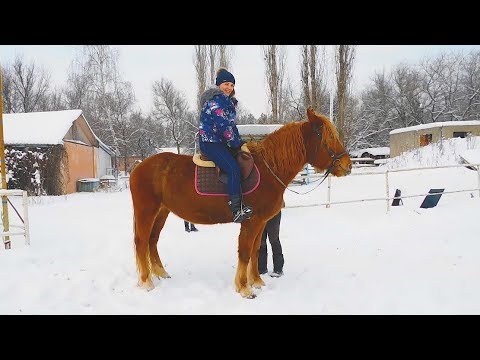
(387, 185)
(15, 229)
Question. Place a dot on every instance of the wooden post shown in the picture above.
(6, 226)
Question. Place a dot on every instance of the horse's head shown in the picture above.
(324, 148)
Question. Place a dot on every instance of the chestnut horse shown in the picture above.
(164, 183)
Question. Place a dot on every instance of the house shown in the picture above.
(370, 156)
(413, 137)
(64, 138)
(256, 132)
(133, 160)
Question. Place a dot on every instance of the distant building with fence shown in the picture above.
(413, 137)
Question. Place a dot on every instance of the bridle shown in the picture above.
(335, 160)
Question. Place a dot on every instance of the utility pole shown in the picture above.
(6, 226)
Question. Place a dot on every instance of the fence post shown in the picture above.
(25, 217)
(478, 172)
(329, 182)
(387, 190)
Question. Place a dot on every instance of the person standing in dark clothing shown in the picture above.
(272, 230)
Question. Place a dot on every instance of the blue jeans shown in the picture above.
(221, 156)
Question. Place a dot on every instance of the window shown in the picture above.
(460, 134)
(425, 139)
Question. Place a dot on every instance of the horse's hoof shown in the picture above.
(146, 285)
(164, 276)
(160, 272)
(257, 284)
(247, 294)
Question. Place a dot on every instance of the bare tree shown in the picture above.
(212, 61)
(95, 86)
(56, 100)
(218, 56)
(77, 91)
(10, 97)
(305, 75)
(377, 116)
(200, 63)
(275, 58)
(344, 59)
(407, 96)
(225, 56)
(171, 109)
(470, 70)
(312, 74)
(26, 87)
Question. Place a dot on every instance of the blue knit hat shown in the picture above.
(224, 76)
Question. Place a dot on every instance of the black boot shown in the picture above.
(239, 211)
(193, 228)
(187, 229)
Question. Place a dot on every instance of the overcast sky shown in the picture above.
(143, 64)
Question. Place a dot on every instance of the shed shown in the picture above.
(64, 132)
(413, 137)
(256, 132)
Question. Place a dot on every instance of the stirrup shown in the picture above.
(239, 216)
(247, 210)
(242, 214)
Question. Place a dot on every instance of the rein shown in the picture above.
(286, 187)
(335, 159)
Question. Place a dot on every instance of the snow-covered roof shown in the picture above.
(170, 149)
(105, 146)
(258, 129)
(46, 127)
(377, 151)
(373, 151)
(436, 125)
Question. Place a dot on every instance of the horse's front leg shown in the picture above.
(253, 276)
(248, 233)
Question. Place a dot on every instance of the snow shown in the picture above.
(373, 151)
(436, 125)
(257, 129)
(350, 258)
(38, 128)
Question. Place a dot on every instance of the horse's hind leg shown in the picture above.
(143, 223)
(157, 266)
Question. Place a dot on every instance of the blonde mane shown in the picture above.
(329, 132)
(277, 148)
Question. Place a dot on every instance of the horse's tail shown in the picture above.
(136, 239)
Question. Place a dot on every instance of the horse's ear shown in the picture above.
(313, 117)
(316, 118)
(311, 114)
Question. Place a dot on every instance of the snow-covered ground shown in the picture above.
(351, 258)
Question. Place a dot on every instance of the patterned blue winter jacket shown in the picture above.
(217, 118)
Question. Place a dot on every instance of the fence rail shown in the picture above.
(388, 198)
(24, 228)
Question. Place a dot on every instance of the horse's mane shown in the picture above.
(329, 131)
(277, 147)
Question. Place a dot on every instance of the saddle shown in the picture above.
(244, 159)
(211, 180)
